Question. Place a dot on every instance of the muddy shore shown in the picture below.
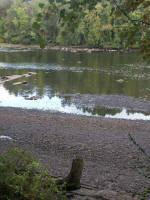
(55, 139)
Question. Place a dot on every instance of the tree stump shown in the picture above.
(72, 181)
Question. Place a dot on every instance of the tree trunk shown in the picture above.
(72, 181)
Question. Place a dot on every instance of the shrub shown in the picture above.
(22, 178)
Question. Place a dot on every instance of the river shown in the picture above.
(63, 76)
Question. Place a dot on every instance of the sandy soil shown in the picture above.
(55, 139)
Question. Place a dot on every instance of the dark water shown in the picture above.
(60, 73)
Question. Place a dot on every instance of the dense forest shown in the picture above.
(98, 27)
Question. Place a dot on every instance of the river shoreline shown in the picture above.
(54, 138)
(110, 158)
(74, 49)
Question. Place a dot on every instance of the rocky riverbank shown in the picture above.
(110, 158)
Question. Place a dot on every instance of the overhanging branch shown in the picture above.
(136, 21)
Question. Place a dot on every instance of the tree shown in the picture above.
(17, 23)
(135, 15)
(4, 5)
(140, 28)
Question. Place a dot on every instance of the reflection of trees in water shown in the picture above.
(93, 60)
(66, 100)
(64, 82)
(84, 82)
(136, 111)
(102, 111)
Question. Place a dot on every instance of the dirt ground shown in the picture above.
(55, 139)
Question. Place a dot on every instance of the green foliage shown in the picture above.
(104, 23)
(21, 178)
(59, 22)
(83, 22)
(17, 25)
(134, 14)
(138, 14)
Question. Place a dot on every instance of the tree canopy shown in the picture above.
(96, 23)
(129, 17)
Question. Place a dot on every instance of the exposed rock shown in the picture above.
(112, 195)
(73, 50)
(32, 98)
(83, 194)
(20, 83)
(31, 73)
(4, 78)
(17, 83)
(24, 82)
(26, 95)
(120, 81)
(14, 77)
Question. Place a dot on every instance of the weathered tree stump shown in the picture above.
(72, 181)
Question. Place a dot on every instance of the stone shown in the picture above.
(26, 95)
(14, 77)
(32, 98)
(17, 83)
(24, 82)
(102, 195)
(120, 81)
(113, 195)
(4, 78)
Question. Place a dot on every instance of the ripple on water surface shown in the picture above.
(73, 73)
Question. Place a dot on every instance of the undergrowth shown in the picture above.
(22, 178)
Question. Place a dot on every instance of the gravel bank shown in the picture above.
(56, 138)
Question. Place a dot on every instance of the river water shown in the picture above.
(61, 75)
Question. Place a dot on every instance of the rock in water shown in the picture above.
(120, 81)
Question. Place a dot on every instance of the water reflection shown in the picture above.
(46, 102)
(87, 82)
(71, 73)
(68, 59)
(125, 114)
(56, 103)
(118, 113)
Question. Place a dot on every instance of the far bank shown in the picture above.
(73, 49)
